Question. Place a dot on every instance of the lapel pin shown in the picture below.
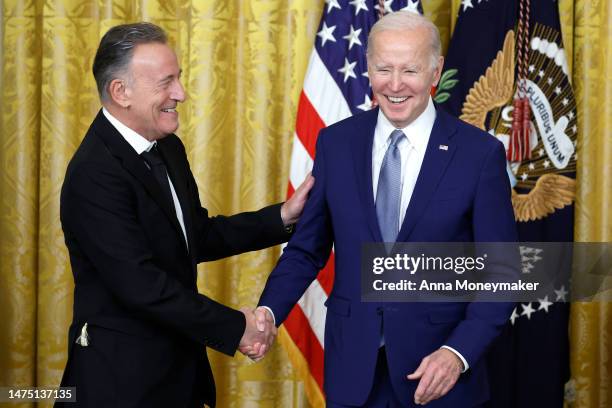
(443, 147)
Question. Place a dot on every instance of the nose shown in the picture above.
(396, 81)
(178, 92)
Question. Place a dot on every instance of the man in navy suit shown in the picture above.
(450, 185)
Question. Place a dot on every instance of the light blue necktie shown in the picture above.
(389, 191)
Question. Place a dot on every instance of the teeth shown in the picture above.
(397, 99)
(169, 110)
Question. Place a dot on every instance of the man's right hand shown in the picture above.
(257, 338)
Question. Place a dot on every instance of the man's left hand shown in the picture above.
(438, 373)
(293, 207)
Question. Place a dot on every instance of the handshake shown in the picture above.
(259, 333)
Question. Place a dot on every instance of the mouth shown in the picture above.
(169, 110)
(396, 100)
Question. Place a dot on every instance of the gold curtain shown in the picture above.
(591, 323)
(244, 63)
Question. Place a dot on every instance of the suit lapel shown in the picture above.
(134, 164)
(175, 165)
(361, 145)
(440, 150)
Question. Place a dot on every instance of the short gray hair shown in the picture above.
(407, 20)
(116, 50)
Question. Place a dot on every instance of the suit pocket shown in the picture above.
(338, 306)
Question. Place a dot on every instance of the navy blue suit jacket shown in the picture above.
(462, 194)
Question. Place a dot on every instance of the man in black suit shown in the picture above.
(135, 231)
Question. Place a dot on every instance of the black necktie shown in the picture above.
(158, 168)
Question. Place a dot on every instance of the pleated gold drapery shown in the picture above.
(591, 323)
(243, 65)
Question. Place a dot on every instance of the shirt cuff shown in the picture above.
(465, 363)
(272, 313)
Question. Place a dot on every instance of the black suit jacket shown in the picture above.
(135, 277)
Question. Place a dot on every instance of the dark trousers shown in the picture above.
(382, 394)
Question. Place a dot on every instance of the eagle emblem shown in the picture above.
(542, 183)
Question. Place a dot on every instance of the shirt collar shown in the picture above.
(416, 132)
(138, 142)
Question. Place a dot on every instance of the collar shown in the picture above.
(417, 132)
(138, 142)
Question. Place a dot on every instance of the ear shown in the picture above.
(119, 92)
(438, 71)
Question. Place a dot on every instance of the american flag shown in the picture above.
(336, 86)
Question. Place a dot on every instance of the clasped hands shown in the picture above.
(259, 333)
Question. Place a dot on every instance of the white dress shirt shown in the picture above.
(412, 151)
(140, 144)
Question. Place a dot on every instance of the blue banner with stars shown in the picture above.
(529, 364)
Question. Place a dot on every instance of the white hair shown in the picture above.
(407, 20)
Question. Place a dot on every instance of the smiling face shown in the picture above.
(401, 73)
(153, 91)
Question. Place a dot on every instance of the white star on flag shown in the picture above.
(466, 4)
(359, 5)
(332, 4)
(531, 166)
(514, 316)
(348, 69)
(544, 304)
(366, 105)
(565, 101)
(387, 6)
(527, 310)
(365, 74)
(412, 6)
(326, 34)
(561, 294)
(531, 68)
(546, 164)
(557, 90)
(524, 176)
(353, 37)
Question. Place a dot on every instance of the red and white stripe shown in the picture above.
(321, 104)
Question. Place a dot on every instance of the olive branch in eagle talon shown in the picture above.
(493, 90)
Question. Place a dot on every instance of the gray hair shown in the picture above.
(116, 50)
(407, 20)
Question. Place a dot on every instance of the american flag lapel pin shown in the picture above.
(443, 147)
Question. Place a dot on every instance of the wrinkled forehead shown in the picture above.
(406, 43)
(154, 57)
(418, 37)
